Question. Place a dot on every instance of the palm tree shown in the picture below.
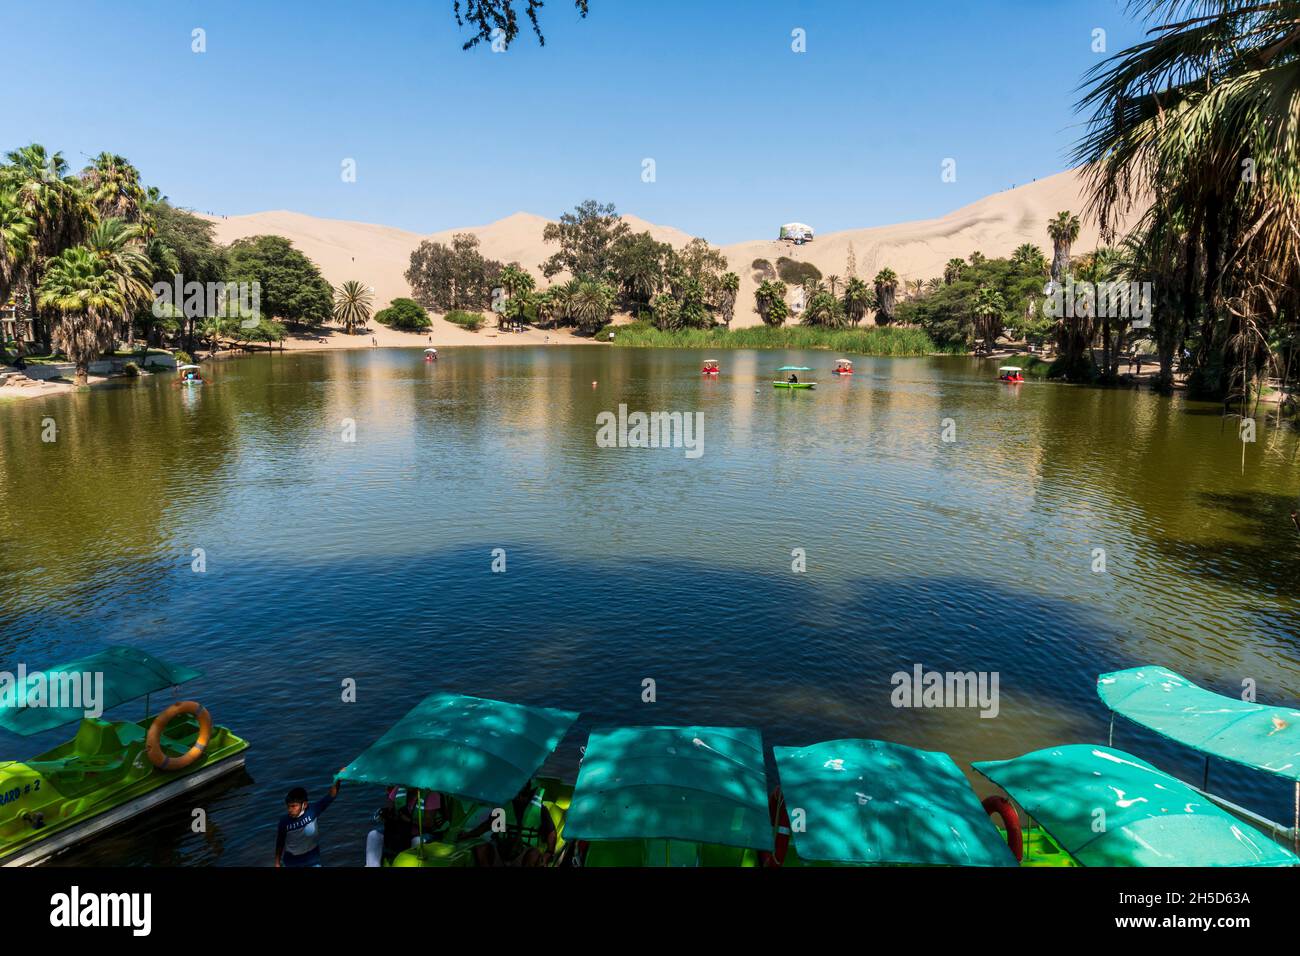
(886, 293)
(114, 187)
(1063, 230)
(1030, 258)
(593, 304)
(16, 247)
(989, 310)
(769, 299)
(88, 298)
(518, 285)
(120, 247)
(352, 306)
(824, 310)
(857, 299)
(832, 283)
(59, 211)
(1198, 124)
(544, 304)
(953, 270)
(728, 289)
(915, 288)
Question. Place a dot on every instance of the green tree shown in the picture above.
(769, 300)
(640, 267)
(667, 312)
(292, 287)
(587, 238)
(352, 306)
(79, 286)
(886, 295)
(60, 213)
(953, 270)
(120, 246)
(728, 290)
(1063, 230)
(407, 315)
(443, 278)
(858, 299)
(518, 286)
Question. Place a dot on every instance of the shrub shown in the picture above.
(184, 358)
(406, 315)
(797, 273)
(131, 370)
(466, 320)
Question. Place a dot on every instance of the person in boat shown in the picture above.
(528, 838)
(399, 824)
(297, 838)
(793, 379)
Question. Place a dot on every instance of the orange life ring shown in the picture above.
(153, 741)
(1011, 820)
(781, 821)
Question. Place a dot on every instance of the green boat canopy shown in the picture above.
(1266, 738)
(1150, 818)
(127, 674)
(696, 784)
(875, 803)
(470, 747)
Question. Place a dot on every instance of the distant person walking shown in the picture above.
(297, 838)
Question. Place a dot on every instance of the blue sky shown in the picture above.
(745, 133)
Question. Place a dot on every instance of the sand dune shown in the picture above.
(378, 255)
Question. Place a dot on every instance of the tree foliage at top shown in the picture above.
(486, 16)
(587, 238)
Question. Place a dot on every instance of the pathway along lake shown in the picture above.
(372, 560)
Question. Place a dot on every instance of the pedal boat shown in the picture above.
(476, 754)
(107, 773)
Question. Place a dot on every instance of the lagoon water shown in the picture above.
(372, 559)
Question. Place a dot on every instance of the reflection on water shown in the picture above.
(371, 560)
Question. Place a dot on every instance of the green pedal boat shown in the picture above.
(796, 384)
(110, 771)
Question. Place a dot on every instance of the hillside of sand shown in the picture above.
(379, 255)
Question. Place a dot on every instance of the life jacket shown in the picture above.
(526, 830)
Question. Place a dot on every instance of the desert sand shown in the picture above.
(378, 255)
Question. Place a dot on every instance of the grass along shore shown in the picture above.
(876, 341)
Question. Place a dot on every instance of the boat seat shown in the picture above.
(671, 853)
(615, 853)
(711, 854)
(96, 737)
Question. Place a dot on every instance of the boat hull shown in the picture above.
(794, 385)
(98, 780)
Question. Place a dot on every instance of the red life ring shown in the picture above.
(1011, 820)
(781, 821)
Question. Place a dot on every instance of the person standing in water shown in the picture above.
(297, 838)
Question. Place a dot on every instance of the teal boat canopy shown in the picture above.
(1150, 818)
(471, 747)
(871, 802)
(1256, 735)
(695, 784)
(794, 368)
(113, 676)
